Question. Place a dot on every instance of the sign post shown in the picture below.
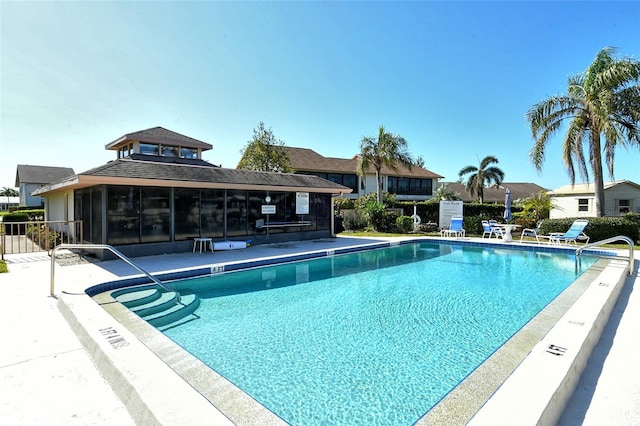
(268, 209)
(448, 209)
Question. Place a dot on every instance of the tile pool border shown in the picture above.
(212, 395)
(216, 268)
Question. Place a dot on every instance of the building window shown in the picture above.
(624, 206)
(169, 151)
(410, 186)
(346, 179)
(190, 153)
(149, 149)
(583, 204)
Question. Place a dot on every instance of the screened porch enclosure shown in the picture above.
(128, 215)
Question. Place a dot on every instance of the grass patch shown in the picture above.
(3, 266)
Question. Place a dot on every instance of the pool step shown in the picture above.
(190, 302)
(158, 307)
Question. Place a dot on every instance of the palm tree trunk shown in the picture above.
(598, 179)
(379, 186)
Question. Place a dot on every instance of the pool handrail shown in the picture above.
(112, 250)
(628, 240)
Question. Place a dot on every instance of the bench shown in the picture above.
(260, 224)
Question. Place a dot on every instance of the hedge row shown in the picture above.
(23, 215)
(598, 229)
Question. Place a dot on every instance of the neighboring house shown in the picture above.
(158, 195)
(620, 196)
(7, 203)
(415, 184)
(496, 193)
(30, 178)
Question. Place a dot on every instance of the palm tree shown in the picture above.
(9, 192)
(604, 101)
(482, 176)
(387, 150)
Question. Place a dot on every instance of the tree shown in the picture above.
(602, 102)
(265, 153)
(444, 192)
(9, 192)
(385, 150)
(537, 206)
(482, 176)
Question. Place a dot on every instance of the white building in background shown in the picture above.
(8, 202)
(620, 197)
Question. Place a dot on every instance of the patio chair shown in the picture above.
(575, 232)
(490, 230)
(496, 228)
(531, 232)
(455, 228)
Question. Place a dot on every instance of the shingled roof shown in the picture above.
(41, 174)
(496, 194)
(127, 171)
(159, 135)
(307, 160)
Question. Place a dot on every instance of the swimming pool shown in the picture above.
(374, 337)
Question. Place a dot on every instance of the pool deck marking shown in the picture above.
(63, 301)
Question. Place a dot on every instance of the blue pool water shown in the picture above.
(374, 337)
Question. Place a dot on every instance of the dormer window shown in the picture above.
(149, 149)
(190, 153)
(169, 151)
(158, 142)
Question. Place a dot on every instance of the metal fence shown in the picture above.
(38, 235)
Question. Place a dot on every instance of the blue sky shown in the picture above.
(455, 79)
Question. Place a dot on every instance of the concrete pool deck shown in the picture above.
(49, 378)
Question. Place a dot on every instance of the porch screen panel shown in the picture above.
(237, 213)
(96, 215)
(82, 211)
(123, 215)
(212, 213)
(323, 211)
(155, 215)
(187, 213)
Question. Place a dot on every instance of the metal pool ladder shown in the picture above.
(112, 250)
(607, 241)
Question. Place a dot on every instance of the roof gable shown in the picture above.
(589, 188)
(41, 174)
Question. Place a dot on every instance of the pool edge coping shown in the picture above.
(94, 341)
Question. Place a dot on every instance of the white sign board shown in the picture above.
(448, 209)
(302, 203)
(268, 209)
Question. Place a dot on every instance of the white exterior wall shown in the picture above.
(371, 185)
(623, 191)
(59, 206)
(567, 205)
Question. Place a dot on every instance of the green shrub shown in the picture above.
(473, 224)
(341, 204)
(3, 266)
(354, 221)
(598, 229)
(375, 213)
(404, 224)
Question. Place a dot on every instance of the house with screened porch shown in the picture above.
(158, 195)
